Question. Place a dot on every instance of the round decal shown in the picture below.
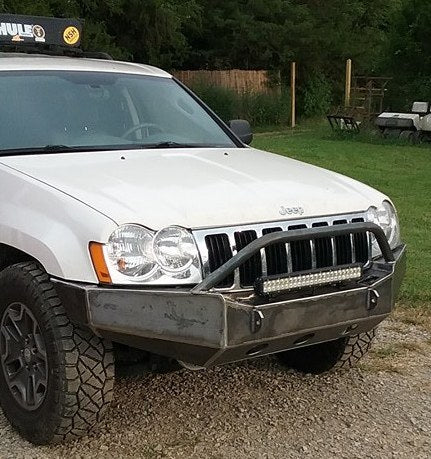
(71, 35)
(38, 32)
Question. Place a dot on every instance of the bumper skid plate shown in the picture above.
(204, 327)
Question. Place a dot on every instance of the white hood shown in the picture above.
(196, 188)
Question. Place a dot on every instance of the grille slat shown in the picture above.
(301, 252)
(360, 241)
(280, 259)
(276, 255)
(324, 255)
(251, 269)
(343, 246)
(219, 252)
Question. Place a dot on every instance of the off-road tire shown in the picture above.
(80, 365)
(333, 355)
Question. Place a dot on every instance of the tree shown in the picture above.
(152, 30)
(408, 55)
(379, 35)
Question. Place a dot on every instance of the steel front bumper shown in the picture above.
(206, 328)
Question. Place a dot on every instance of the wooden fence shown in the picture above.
(238, 80)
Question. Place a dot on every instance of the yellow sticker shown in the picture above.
(71, 35)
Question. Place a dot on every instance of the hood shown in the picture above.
(197, 188)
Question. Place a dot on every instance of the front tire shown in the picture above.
(333, 355)
(56, 379)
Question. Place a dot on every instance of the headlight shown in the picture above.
(130, 252)
(175, 249)
(135, 254)
(386, 217)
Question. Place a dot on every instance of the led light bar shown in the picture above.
(309, 279)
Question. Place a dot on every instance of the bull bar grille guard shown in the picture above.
(216, 277)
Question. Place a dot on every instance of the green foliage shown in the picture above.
(225, 34)
(151, 30)
(408, 55)
(263, 109)
(260, 109)
(316, 96)
(222, 100)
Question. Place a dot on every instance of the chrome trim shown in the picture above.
(295, 221)
(232, 242)
(334, 252)
(204, 255)
(352, 244)
(200, 234)
(313, 254)
(289, 258)
(263, 258)
(264, 264)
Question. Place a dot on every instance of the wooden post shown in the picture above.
(348, 82)
(293, 94)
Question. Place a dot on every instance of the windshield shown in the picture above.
(59, 110)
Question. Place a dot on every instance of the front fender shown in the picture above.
(49, 225)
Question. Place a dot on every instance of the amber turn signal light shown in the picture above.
(99, 263)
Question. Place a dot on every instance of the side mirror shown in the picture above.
(242, 129)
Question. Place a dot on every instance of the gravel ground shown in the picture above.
(259, 410)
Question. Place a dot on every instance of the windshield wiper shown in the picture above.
(57, 148)
(171, 144)
(44, 150)
(52, 149)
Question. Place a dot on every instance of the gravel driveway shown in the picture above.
(259, 410)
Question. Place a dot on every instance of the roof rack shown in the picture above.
(43, 35)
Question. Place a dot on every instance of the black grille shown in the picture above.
(300, 252)
(251, 269)
(283, 258)
(219, 252)
(360, 241)
(343, 247)
(276, 255)
(324, 255)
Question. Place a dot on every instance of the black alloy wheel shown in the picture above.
(23, 356)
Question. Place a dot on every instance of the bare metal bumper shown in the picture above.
(206, 328)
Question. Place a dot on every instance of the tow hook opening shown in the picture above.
(373, 299)
(256, 320)
(257, 349)
(190, 366)
(304, 339)
(350, 328)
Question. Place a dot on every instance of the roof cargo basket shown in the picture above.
(43, 35)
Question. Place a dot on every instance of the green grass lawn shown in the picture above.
(402, 172)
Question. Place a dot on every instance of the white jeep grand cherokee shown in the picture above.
(131, 214)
